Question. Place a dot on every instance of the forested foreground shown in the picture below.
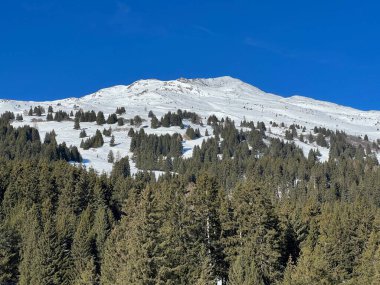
(241, 211)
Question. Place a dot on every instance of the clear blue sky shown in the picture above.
(323, 49)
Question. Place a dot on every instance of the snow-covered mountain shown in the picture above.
(223, 96)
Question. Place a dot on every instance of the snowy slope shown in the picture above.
(223, 96)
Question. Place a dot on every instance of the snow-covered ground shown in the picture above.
(223, 96)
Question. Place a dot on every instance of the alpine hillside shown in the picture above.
(222, 97)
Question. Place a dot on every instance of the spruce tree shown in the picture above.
(120, 122)
(100, 120)
(121, 168)
(76, 124)
(82, 134)
(50, 258)
(110, 157)
(112, 141)
(155, 123)
(9, 255)
(258, 228)
(81, 251)
(244, 270)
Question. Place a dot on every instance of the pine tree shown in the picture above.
(120, 122)
(321, 141)
(81, 251)
(258, 228)
(19, 117)
(131, 132)
(137, 121)
(82, 134)
(76, 124)
(244, 270)
(31, 234)
(141, 266)
(49, 258)
(9, 255)
(88, 275)
(100, 120)
(112, 141)
(112, 119)
(366, 270)
(116, 245)
(110, 157)
(206, 276)
(101, 229)
(155, 123)
(121, 168)
(49, 117)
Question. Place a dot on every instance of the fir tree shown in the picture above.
(120, 122)
(100, 120)
(110, 157)
(155, 123)
(9, 255)
(82, 134)
(121, 168)
(76, 124)
(112, 141)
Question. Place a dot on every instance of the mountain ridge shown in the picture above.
(222, 96)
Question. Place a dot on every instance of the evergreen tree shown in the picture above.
(49, 258)
(19, 117)
(137, 121)
(112, 119)
(84, 268)
(155, 123)
(93, 142)
(9, 255)
(258, 229)
(110, 157)
(112, 141)
(120, 122)
(121, 168)
(82, 134)
(244, 270)
(131, 132)
(76, 124)
(100, 120)
(321, 141)
(49, 117)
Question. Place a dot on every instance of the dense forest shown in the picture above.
(246, 209)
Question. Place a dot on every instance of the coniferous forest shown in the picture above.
(245, 209)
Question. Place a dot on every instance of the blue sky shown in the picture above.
(323, 49)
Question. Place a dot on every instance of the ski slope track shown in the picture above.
(223, 96)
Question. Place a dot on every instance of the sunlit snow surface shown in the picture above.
(223, 96)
